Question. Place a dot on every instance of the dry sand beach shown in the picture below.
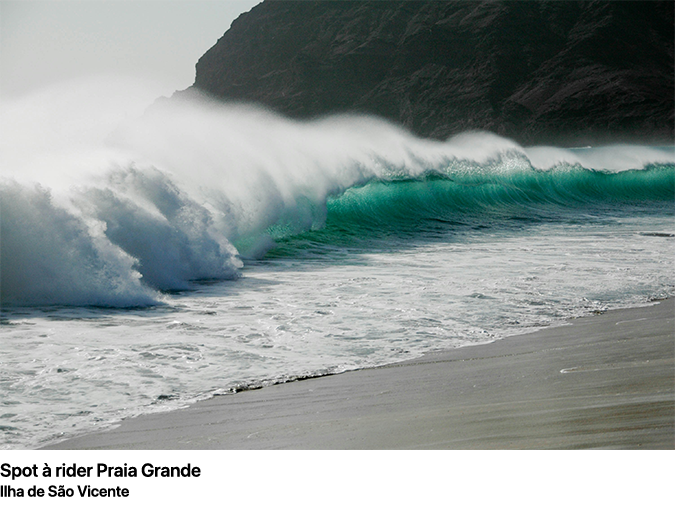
(604, 381)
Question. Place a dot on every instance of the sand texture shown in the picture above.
(605, 381)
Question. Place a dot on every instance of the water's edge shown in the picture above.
(426, 357)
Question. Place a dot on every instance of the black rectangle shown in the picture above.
(102, 480)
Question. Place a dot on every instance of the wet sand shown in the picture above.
(605, 381)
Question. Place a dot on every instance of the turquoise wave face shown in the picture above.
(435, 194)
(481, 199)
(115, 212)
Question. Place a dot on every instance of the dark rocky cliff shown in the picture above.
(555, 72)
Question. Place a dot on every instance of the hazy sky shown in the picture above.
(42, 42)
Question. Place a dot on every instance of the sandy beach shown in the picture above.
(605, 381)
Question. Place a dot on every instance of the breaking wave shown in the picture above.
(146, 204)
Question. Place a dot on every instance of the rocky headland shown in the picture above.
(541, 72)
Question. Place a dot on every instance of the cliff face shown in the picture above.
(569, 73)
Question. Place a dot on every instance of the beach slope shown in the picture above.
(605, 381)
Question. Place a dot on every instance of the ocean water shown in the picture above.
(151, 259)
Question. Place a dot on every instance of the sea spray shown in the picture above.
(48, 255)
(154, 202)
(170, 235)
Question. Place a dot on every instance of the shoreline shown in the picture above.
(602, 381)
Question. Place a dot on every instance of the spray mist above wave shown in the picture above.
(119, 207)
(80, 223)
(262, 175)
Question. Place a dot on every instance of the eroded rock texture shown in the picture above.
(556, 72)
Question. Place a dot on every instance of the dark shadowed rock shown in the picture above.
(567, 73)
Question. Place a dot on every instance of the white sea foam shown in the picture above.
(51, 256)
(106, 210)
(134, 202)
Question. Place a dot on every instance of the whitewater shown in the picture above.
(154, 254)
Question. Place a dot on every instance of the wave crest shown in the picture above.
(165, 196)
